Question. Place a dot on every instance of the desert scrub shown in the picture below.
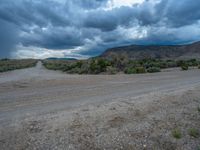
(184, 67)
(130, 70)
(153, 69)
(193, 132)
(98, 65)
(116, 64)
(198, 109)
(135, 70)
(111, 70)
(140, 70)
(176, 133)
(11, 64)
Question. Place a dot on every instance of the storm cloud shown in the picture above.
(84, 28)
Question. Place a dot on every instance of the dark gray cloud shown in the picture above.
(179, 13)
(54, 38)
(88, 4)
(108, 20)
(8, 38)
(91, 27)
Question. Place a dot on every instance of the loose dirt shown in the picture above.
(42, 109)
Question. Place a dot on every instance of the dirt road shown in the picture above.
(33, 93)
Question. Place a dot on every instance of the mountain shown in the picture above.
(155, 51)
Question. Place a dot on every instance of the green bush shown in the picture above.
(193, 132)
(184, 67)
(153, 69)
(198, 109)
(181, 63)
(84, 68)
(176, 133)
(111, 70)
(134, 70)
(140, 70)
(94, 68)
(130, 71)
(163, 65)
(98, 65)
(171, 64)
(192, 62)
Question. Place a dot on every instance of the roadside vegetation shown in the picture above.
(115, 65)
(11, 64)
(177, 133)
(198, 109)
(193, 132)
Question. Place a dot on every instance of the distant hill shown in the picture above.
(54, 58)
(155, 51)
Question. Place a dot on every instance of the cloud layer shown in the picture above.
(83, 28)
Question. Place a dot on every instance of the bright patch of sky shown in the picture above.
(118, 3)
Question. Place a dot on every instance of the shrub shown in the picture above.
(192, 62)
(79, 64)
(163, 65)
(176, 133)
(11, 64)
(181, 63)
(130, 70)
(133, 70)
(184, 67)
(140, 70)
(171, 64)
(84, 68)
(198, 109)
(153, 69)
(111, 70)
(98, 65)
(94, 68)
(193, 132)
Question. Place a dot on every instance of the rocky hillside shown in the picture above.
(155, 51)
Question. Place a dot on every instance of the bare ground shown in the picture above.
(42, 109)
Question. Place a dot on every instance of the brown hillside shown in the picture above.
(154, 51)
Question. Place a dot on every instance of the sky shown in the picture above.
(85, 28)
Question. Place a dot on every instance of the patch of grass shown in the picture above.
(193, 132)
(176, 133)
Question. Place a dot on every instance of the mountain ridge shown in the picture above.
(185, 51)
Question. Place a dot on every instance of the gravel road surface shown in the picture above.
(28, 96)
